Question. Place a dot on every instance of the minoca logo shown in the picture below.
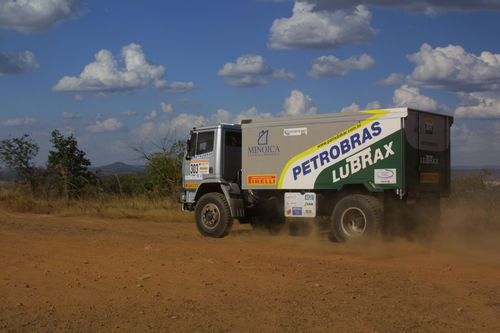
(263, 137)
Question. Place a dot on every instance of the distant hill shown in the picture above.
(102, 171)
(117, 168)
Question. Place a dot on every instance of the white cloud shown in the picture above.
(298, 104)
(252, 113)
(251, 70)
(452, 68)
(152, 115)
(108, 125)
(373, 105)
(167, 109)
(309, 28)
(101, 94)
(351, 108)
(245, 81)
(222, 116)
(175, 87)
(19, 122)
(70, 115)
(78, 98)
(225, 116)
(355, 107)
(35, 15)
(17, 63)
(394, 78)
(330, 66)
(410, 97)
(479, 105)
(250, 64)
(429, 7)
(103, 75)
(283, 74)
(479, 140)
(128, 113)
(177, 128)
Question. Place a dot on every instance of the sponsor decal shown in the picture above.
(261, 179)
(429, 177)
(263, 137)
(361, 160)
(263, 148)
(429, 125)
(385, 176)
(199, 167)
(302, 170)
(203, 156)
(295, 131)
(429, 159)
(300, 205)
(336, 151)
(191, 185)
(193, 177)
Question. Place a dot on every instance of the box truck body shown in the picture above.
(306, 165)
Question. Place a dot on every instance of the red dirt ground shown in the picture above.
(86, 274)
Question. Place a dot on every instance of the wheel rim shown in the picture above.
(353, 222)
(210, 216)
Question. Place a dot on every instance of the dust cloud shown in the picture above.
(472, 236)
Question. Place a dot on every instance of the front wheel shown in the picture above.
(213, 215)
(356, 216)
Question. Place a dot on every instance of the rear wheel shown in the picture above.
(213, 215)
(356, 216)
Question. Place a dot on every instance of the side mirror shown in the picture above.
(188, 149)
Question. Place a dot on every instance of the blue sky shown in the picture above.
(122, 73)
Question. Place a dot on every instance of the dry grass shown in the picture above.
(472, 206)
(159, 209)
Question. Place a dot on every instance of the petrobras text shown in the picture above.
(302, 170)
(337, 151)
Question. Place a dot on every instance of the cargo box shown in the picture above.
(401, 149)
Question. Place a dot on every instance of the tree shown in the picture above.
(164, 167)
(17, 154)
(69, 163)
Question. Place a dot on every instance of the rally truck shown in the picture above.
(357, 172)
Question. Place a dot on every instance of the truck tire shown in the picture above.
(213, 215)
(356, 216)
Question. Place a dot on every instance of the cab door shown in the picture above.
(199, 162)
(231, 159)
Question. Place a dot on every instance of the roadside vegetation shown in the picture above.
(65, 186)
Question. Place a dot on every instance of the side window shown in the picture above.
(205, 143)
(192, 145)
(233, 139)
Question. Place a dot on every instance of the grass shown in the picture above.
(159, 209)
(473, 205)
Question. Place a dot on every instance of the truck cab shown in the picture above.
(212, 161)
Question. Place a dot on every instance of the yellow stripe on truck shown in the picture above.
(376, 114)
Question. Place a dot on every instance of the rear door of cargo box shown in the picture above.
(427, 152)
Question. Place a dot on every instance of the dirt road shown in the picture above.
(87, 274)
